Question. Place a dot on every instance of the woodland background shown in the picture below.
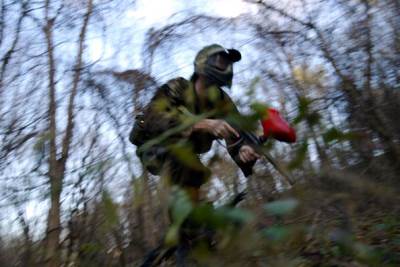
(73, 74)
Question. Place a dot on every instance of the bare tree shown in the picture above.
(57, 164)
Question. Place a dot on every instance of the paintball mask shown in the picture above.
(208, 63)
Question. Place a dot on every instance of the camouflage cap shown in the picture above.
(207, 51)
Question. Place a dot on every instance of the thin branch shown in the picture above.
(78, 70)
(2, 20)
(8, 55)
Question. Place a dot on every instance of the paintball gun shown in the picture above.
(274, 126)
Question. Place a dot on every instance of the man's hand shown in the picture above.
(247, 154)
(218, 128)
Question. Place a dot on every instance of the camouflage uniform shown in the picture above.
(168, 109)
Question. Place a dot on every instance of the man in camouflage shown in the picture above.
(181, 100)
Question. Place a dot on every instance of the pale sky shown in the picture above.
(155, 13)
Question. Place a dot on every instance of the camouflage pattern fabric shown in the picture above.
(164, 113)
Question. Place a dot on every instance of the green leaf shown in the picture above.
(221, 217)
(180, 206)
(281, 207)
(185, 155)
(243, 122)
(276, 233)
(235, 215)
(205, 213)
(260, 109)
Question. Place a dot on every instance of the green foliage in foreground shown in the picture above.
(304, 227)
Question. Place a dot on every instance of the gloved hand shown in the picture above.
(275, 126)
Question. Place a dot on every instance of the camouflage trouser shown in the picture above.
(187, 175)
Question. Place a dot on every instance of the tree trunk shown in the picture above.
(53, 222)
(57, 167)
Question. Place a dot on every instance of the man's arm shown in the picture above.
(239, 148)
(218, 128)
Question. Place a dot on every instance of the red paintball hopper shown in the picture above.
(275, 126)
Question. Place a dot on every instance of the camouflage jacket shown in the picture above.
(175, 102)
